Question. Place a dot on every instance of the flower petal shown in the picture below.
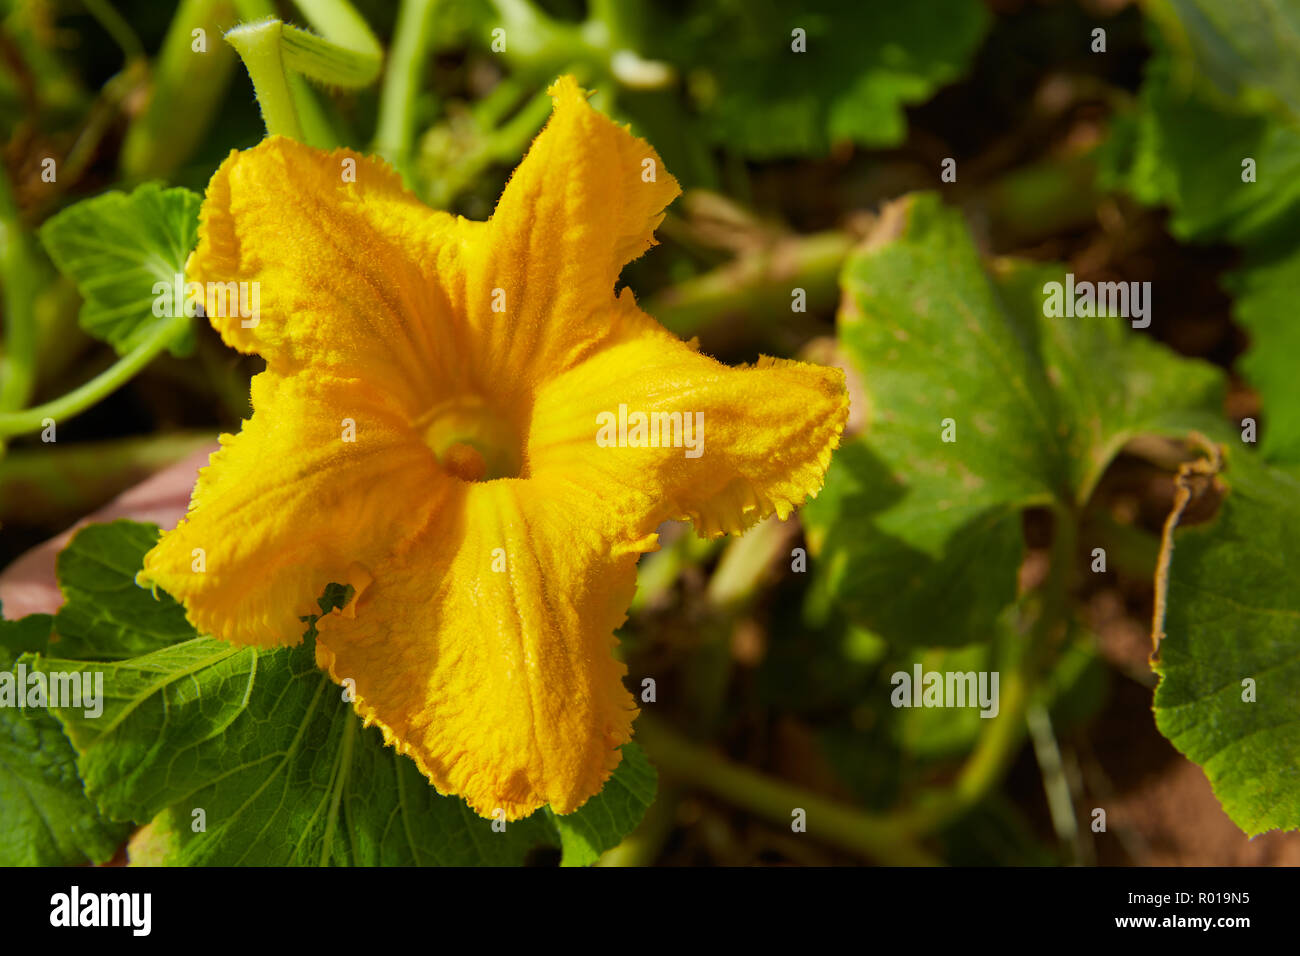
(290, 505)
(584, 202)
(768, 430)
(346, 263)
(486, 652)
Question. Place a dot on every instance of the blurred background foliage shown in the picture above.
(772, 681)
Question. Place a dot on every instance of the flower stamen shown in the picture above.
(471, 441)
(465, 462)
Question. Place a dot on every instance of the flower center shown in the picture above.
(471, 440)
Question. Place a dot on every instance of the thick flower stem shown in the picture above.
(280, 58)
(258, 44)
(876, 838)
(79, 399)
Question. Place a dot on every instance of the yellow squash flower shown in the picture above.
(450, 422)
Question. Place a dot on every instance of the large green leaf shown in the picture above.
(265, 746)
(919, 538)
(116, 247)
(1223, 87)
(1228, 612)
(45, 818)
(262, 743)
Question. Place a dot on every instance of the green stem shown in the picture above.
(258, 44)
(876, 838)
(657, 572)
(745, 564)
(395, 130)
(533, 39)
(79, 399)
(505, 143)
(188, 88)
(732, 587)
(340, 23)
(621, 21)
(281, 57)
(508, 142)
(982, 769)
(18, 270)
(348, 54)
(758, 285)
(315, 114)
(1056, 787)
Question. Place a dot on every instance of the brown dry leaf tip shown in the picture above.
(1197, 480)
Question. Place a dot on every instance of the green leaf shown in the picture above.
(1228, 610)
(263, 743)
(47, 820)
(28, 635)
(864, 63)
(1248, 51)
(1110, 383)
(105, 616)
(115, 247)
(1264, 304)
(612, 814)
(267, 747)
(260, 748)
(1221, 88)
(920, 539)
(1182, 150)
